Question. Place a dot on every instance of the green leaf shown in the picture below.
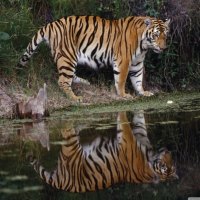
(4, 36)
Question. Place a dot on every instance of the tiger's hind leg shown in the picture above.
(66, 69)
(80, 80)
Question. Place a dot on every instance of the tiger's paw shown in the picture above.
(146, 94)
(77, 99)
(127, 96)
(73, 98)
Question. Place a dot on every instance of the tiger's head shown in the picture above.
(163, 165)
(156, 34)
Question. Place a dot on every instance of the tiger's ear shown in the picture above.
(167, 22)
(147, 21)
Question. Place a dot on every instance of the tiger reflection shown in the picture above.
(128, 157)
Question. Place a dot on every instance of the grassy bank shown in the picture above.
(96, 99)
(159, 103)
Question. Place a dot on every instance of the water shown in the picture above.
(122, 145)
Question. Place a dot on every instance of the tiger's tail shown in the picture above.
(46, 176)
(32, 46)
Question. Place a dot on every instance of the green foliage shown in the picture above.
(62, 8)
(153, 7)
(16, 26)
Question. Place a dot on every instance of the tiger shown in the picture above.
(106, 160)
(97, 42)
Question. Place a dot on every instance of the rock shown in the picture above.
(6, 104)
(35, 107)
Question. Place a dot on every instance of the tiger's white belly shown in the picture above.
(84, 59)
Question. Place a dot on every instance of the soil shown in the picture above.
(92, 95)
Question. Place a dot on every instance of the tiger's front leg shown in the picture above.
(120, 75)
(136, 75)
(66, 69)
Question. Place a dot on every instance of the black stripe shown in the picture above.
(115, 162)
(66, 68)
(70, 144)
(94, 51)
(127, 27)
(84, 180)
(134, 73)
(76, 21)
(56, 36)
(141, 48)
(116, 72)
(70, 64)
(102, 35)
(101, 58)
(96, 182)
(137, 21)
(79, 31)
(58, 26)
(137, 63)
(87, 23)
(106, 147)
(138, 74)
(109, 31)
(88, 164)
(60, 22)
(42, 171)
(29, 49)
(79, 164)
(96, 61)
(35, 40)
(50, 32)
(92, 36)
(42, 32)
(70, 26)
(87, 176)
(99, 154)
(132, 163)
(71, 54)
(82, 41)
(99, 169)
(69, 85)
(110, 170)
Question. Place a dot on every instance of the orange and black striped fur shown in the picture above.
(98, 42)
(126, 156)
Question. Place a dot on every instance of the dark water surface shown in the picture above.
(114, 151)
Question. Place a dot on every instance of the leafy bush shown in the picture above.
(16, 26)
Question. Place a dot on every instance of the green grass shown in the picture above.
(157, 103)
